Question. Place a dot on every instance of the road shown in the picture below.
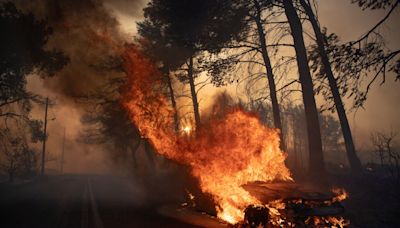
(80, 201)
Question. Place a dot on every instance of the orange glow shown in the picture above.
(341, 195)
(187, 130)
(331, 221)
(224, 154)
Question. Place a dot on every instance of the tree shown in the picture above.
(316, 164)
(354, 161)
(194, 27)
(253, 44)
(385, 147)
(23, 51)
(16, 155)
(11, 153)
(105, 119)
(374, 4)
(380, 61)
(268, 67)
(164, 55)
(369, 56)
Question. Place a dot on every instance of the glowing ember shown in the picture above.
(328, 221)
(187, 129)
(225, 153)
(341, 195)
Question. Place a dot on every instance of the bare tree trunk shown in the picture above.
(172, 97)
(194, 94)
(270, 74)
(295, 145)
(354, 161)
(316, 165)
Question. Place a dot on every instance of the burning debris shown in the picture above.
(301, 208)
(224, 154)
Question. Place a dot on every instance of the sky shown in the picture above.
(382, 108)
(119, 17)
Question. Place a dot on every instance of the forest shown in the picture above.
(250, 112)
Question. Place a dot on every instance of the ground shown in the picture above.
(114, 201)
(80, 201)
(373, 201)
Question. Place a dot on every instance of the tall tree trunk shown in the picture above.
(194, 94)
(172, 97)
(270, 74)
(316, 165)
(354, 161)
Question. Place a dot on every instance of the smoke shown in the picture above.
(86, 32)
(89, 32)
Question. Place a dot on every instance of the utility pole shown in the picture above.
(62, 153)
(45, 136)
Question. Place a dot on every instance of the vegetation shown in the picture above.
(23, 52)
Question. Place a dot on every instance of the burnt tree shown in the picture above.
(268, 67)
(354, 161)
(316, 160)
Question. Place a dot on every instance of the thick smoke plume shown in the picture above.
(88, 32)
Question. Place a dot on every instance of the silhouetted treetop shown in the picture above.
(22, 41)
(195, 25)
(374, 4)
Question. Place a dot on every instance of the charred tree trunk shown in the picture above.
(270, 74)
(316, 165)
(354, 161)
(193, 93)
(172, 97)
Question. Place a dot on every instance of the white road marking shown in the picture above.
(85, 209)
(97, 220)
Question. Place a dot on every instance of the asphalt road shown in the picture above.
(79, 201)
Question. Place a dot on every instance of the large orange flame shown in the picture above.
(224, 154)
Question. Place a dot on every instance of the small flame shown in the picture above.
(187, 129)
(191, 198)
(341, 194)
(328, 221)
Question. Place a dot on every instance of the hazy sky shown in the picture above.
(382, 107)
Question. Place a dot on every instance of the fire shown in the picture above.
(224, 154)
(341, 195)
(328, 221)
(187, 130)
